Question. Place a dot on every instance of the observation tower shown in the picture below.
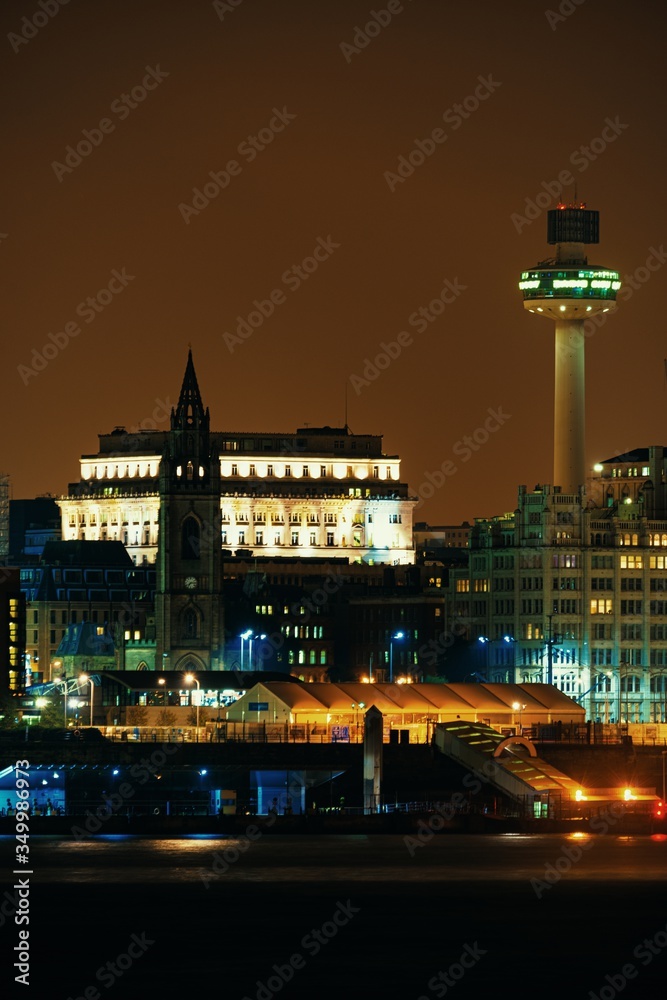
(569, 291)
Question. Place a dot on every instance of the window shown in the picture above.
(288, 470)
(259, 538)
(631, 632)
(631, 583)
(462, 586)
(330, 538)
(190, 624)
(601, 606)
(602, 583)
(251, 470)
(394, 518)
(241, 537)
(658, 607)
(305, 471)
(269, 470)
(631, 607)
(295, 538)
(235, 469)
(190, 545)
(631, 562)
(601, 657)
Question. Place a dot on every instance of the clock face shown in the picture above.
(190, 582)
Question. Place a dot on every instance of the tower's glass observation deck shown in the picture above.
(558, 282)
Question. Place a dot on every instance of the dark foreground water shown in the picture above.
(343, 916)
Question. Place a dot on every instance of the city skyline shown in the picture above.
(358, 182)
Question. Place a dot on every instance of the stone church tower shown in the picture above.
(189, 629)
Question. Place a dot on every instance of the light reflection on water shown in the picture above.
(329, 858)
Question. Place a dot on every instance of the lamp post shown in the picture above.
(397, 635)
(244, 636)
(484, 641)
(191, 679)
(511, 641)
(63, 681)
(518, 707)
(85, 677)
(356, 705)
(250, 642)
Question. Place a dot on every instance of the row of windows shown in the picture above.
(325, 471)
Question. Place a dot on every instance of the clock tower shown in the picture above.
(189, 629)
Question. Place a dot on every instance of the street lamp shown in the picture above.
(243, 637)
(63, 681)
(518, 707)
(511, 641)
(483, 658)
(250, 642)
(85, 677)
(397, 635)
(357, 705)
(191, 679)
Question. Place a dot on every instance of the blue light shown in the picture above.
(115, 771)
(203, 771)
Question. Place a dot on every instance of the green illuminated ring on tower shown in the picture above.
(570, 283)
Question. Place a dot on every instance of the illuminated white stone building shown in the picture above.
(319, 491)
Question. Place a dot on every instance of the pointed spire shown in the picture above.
(190, 409)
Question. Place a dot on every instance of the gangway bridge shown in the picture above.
(511, 765)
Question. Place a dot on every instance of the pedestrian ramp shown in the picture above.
(508, 763)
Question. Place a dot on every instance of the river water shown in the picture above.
(332, 916)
